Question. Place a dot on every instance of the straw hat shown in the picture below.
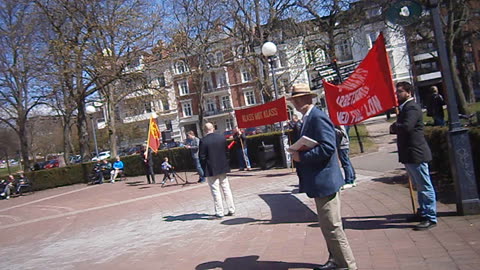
(300, 90)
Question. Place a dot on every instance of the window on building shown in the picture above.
(226, 104)
(240, 53)
(148, 107)
(219, 57)
(221, 79)
(161, 81)
(371, 37)
(210, 105)
(249, 97)
(228, 124)
(211, 59)
(183, 88)
(168, 124)
(246, 76)
(180, 67)
(165, 105)
(344, 50)
(282, 55)
(187, 109)
(208, 84)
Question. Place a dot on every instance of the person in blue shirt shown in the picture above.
(117, 168)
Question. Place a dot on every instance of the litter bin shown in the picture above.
(266, 156)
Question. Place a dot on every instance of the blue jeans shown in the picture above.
(243, 160)
(346, 165)
(438, 121)
(199, 168)
(426, 193)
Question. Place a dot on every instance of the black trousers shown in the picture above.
(150, 174)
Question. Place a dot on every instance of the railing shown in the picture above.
(215, 112)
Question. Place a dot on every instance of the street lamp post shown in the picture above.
(461, 160)
(91, 110)
(269, 49)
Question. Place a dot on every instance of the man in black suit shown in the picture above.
(146, 156)
(213, 158)
(414, 153)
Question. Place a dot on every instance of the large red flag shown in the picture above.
(153, 140)
(265, 114)
(367, 92)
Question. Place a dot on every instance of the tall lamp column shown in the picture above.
(91, 110)
(269, 49)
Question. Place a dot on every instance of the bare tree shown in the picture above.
(20, 68)
(91, 44)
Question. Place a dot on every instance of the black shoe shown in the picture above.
(230, 213)
(425, 225)
(216, 217)
(328, 266)
(416, 218)
(201, 181)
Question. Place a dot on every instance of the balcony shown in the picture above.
(217, 112)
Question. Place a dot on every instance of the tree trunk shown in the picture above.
(465, 73)
(66, 139)
(112, 130)
(24, 149)
(82, 130)
(461, 101)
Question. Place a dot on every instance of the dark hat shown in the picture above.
(300, 90)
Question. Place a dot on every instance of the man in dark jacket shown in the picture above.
(146, 156)
(414, 153)
(320, 177)
(213, 157)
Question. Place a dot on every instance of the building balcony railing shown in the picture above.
(216, 112)
(217, 89)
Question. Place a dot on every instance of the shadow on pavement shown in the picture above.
(136, 183)
(252, 263)
(277, 174)
(188, 217)
(395, 221)
(284, 208)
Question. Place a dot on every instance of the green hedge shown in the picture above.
(437, 140)
(179, 157)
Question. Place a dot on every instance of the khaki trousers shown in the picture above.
(216, 183)
(330, 221)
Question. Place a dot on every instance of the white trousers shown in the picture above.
(216, 183)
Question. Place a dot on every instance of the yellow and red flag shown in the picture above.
(153, 140)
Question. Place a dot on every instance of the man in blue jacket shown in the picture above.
(320, 177)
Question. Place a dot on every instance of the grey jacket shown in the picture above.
(343, 141)
(194, 144)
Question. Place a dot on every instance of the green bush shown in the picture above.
(437, 138)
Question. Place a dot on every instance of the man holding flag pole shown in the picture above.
(153, 143)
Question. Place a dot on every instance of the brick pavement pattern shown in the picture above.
(132, 225)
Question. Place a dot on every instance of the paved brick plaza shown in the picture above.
(131, 225)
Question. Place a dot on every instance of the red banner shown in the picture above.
(153, 140)
(367, 92)
(265, 114)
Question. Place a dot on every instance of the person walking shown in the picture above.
(242, 150)
(213, 158)
(320, 177)
(343, 146)
(414, 153)
(146, 156)
(167, 170)
(436, 107)
(192, 143)
(296, 126)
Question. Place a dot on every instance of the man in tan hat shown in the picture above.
(320, 177)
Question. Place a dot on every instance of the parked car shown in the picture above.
(75, 159)
(39, 165)
(102, 155)
(53, 163)
(228, 134)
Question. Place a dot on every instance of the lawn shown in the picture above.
(13, 169)
(368, 144)
(472, 108)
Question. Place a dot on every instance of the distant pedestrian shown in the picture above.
(435, 109)
(296, 126)
(414, 153)
(213, 157)
(242, 149)
(320, 177)
(343, 146)
(167, 170)
(147, 159)
(192, 143)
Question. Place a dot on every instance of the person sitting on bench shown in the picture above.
(22, 183)
(167, 169)
(117, 168)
